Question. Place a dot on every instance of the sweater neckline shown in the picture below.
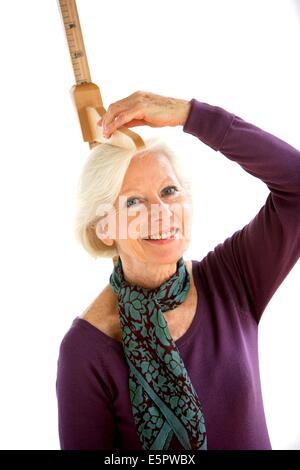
(179, 342)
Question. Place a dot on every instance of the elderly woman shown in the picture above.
(166, 356)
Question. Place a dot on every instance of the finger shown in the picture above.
(110, 115)
(132, 123)
(112, 111)
(135, 122)
(118, 106)
(122, 118)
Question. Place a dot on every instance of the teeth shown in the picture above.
(163, 236)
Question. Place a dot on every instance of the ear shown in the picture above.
(101, 230)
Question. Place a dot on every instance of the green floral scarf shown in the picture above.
(163, 398)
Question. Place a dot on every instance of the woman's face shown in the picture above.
(151, 202)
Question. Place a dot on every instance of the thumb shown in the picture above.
(135, 122)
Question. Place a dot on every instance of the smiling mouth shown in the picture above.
(166, 236)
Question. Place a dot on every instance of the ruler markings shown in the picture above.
(75, 43)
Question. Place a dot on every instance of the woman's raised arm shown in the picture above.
(263, 252)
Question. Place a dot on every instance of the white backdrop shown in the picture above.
(241, 55)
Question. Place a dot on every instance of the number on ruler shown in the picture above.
(77, 54)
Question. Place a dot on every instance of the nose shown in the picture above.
(164, 209)
(161, 211)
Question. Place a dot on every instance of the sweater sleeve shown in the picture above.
(85, 416)
(262, 253)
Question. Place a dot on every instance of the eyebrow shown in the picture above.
(137, 191)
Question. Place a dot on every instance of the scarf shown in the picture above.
(163, 399)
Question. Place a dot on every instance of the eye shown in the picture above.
(131, 200)
(172, 188)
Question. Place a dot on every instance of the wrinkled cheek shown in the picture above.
(136, 223)
(132, 229)
(183, 218)
(187, 215)
(108, 226)
(118, 225)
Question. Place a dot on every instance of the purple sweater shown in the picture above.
(235, 282)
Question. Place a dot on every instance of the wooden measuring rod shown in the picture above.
(86, 95)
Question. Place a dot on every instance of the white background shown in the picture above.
(241, 55)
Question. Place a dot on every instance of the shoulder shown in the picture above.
(76, 345)
(103, 306)
(103, 313)
(82, 339)
(81, 355)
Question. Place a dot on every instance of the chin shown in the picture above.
(163, 254)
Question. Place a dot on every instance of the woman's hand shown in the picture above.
(144, 109)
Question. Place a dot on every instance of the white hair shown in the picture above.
(100, 182)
